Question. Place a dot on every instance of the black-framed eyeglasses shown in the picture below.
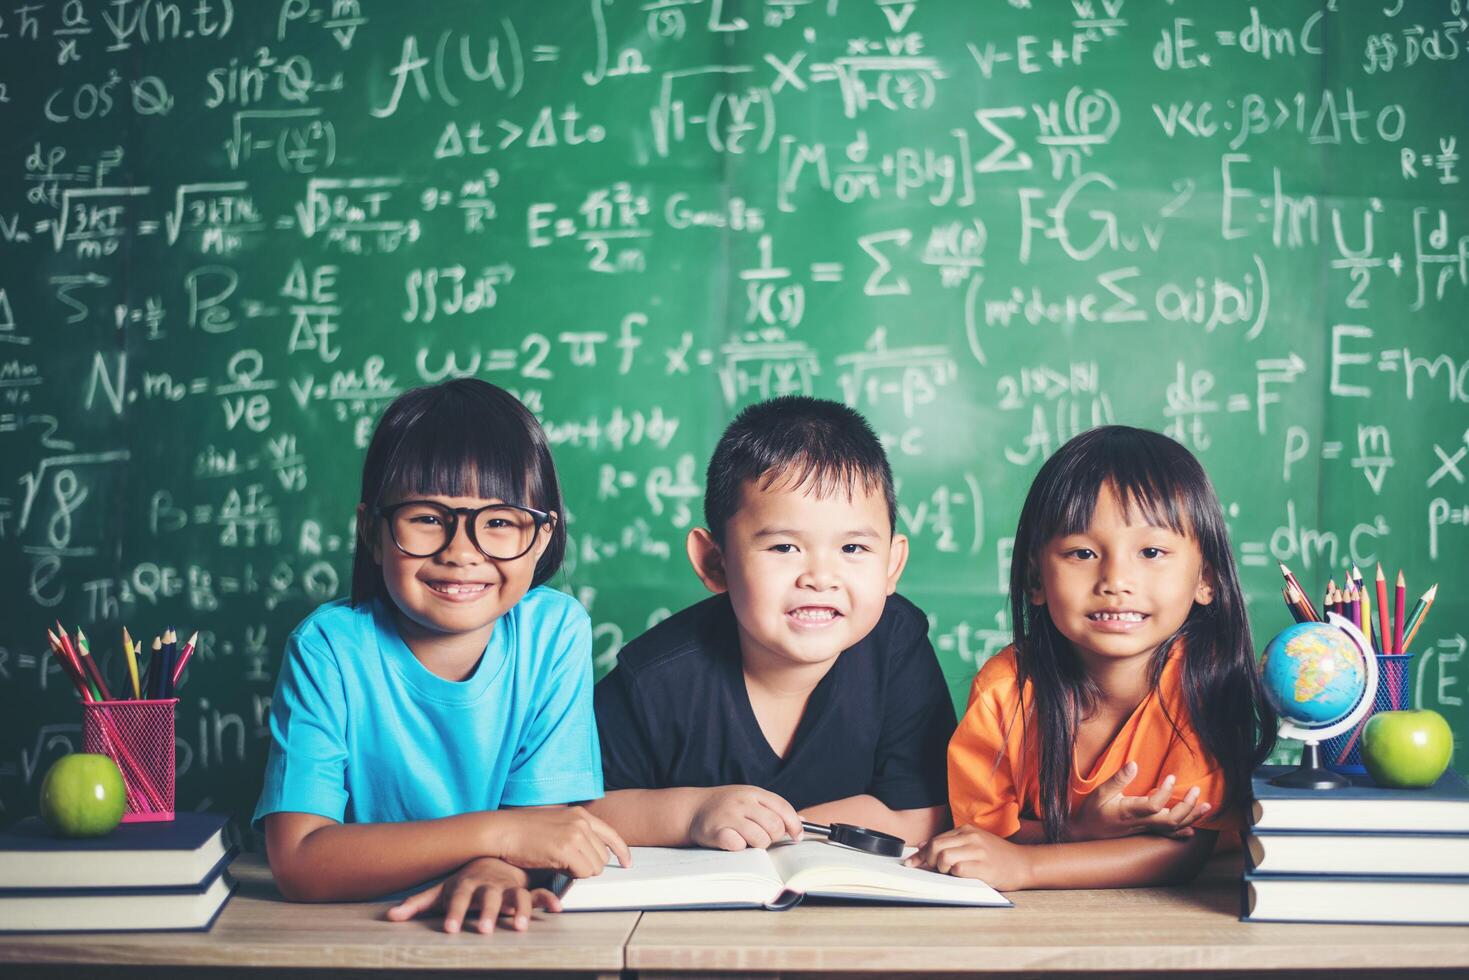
(502, 532)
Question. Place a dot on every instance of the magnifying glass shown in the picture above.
(848, 835)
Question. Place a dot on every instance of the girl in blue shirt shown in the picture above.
(414, 725)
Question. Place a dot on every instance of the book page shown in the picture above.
(820, 868)
(677, 876)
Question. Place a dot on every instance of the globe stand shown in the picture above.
(1311, 774)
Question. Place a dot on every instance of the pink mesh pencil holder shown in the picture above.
(138, 736)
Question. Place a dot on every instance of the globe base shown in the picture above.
(1311, 774)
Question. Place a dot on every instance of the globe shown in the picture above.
(1314, 674)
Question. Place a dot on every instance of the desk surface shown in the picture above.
(260, 929)
(1116, 931)
(1170, 929)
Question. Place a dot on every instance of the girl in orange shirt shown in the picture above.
(1132, 665)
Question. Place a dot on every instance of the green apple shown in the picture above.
(83, 795)
(1407, 749)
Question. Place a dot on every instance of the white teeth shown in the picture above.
(451, 589)
(1118, 617)
(814, 615)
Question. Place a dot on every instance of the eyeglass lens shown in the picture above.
(423, 529)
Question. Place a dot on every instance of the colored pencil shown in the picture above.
(1290, 604)
(1419, 612)
(170, 657)
(1354, 604)
(76, 661)
(67, 667)
(184, 655)
(1305, 600)
(1364, 613)
(132, 659)
(1385, 636)
(1297, 607)
(1400, 602)
(85, 649)
(155, 669)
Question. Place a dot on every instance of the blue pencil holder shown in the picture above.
(1343, 753)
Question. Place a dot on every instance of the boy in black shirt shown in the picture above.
(804, 688)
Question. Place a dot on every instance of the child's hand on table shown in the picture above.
(968, 852)
(488, 884)
(732, 818)
(1107, 813)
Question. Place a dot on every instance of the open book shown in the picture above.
(684, 878)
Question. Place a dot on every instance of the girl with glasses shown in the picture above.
(439, 722)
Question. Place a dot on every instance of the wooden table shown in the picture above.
(1169, 932)
(261, 934)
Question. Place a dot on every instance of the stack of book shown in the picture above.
(1359, 854)
(141, 876)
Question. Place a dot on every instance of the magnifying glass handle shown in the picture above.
(815, 828)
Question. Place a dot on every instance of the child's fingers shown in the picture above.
(612, 839)
(769, 821)
(952, 857)
(1158, 799)
(544, 898)
(753, 833)
(1185, 808)
(789, 818)
(516, 904)
(1198, 813)
(945, 852)
(969, 869)
(457, 904)
(491, 900)
(1120, 780)
(416, 904)
(729, 839)
(1137, 808)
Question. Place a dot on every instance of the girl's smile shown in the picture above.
(447, 603)
(1118, 620)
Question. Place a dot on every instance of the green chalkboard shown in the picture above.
(230, 233)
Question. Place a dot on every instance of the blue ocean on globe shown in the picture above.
(1313, 674)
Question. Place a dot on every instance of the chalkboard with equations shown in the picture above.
(230, 233)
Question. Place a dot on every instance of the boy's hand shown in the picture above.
(732, 818)
(489, 884)
(1107, 813)
(968, 852)
(562, 838)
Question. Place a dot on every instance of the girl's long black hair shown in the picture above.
(1153, 476)
(460, 438)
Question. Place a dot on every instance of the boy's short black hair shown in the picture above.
(808, 442)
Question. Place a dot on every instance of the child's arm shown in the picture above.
(1127, 862)
(914, 826)
(730, 818)
(317, 859)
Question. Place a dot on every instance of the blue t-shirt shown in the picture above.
(361, 732)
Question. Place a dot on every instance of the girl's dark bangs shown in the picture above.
(1146, 483)
(439, 455)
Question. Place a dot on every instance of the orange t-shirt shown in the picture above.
(993, 774)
